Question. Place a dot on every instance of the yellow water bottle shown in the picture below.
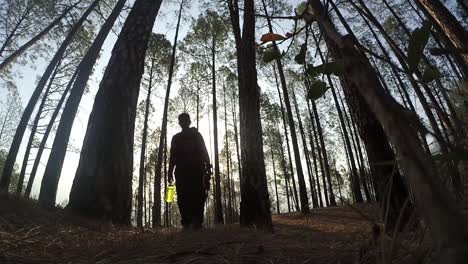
(170, 191)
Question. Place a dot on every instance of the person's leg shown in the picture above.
(183, 201)
(198, 207)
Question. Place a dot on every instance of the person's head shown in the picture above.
(184, 120)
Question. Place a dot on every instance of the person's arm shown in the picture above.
(172, 162)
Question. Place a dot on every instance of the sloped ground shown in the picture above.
(329, 235)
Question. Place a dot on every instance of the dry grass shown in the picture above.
(329, 235)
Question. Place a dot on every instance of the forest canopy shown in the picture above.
(302, 105)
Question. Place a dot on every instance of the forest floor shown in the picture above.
(329, 235)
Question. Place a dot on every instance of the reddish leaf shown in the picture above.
(271, 37)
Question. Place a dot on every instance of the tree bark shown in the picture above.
(62, 135)
(331, 195)
(15, 145)
(446, 24)
(142, 176)
(300, 174)
(33, 131)
(432, 198)
(283, 115)
(102, 186)
(158, 165)
(218, 205)
(42, 145)
(255, 202)
(306, 152)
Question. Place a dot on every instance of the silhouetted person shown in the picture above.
(192, 163)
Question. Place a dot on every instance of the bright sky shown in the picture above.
(165, 24)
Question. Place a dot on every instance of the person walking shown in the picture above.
(189, 157)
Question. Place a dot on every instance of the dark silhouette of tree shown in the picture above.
(59, 147)
(102, 185)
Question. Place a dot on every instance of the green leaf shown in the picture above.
(430, 73)
(326, 68)
(301, 8)
(317, 90)
(271, 54)
(417, 43)
(300, 58)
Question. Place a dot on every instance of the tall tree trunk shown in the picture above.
(255, 201)
(297, 157)
(438, 208)
(25, 14)
(354, 172)
(218, 206)
(312, 151)
(142, 176)
(306, 151)
(36, 38)
(401, 57)
(42, 145)
(278, 211)
(15, 145)
(453, 33)
(161, 147)
(62, 135)
(374, 138)
(320, 160)
(228, 158)
(283, 165)
(236, 137)
(103, 182)
(283, 115)
(331, 195)
(32, 135)
(198, 103)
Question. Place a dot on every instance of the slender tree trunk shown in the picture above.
(283, 165)
(36, 38)
(320, 160)
(25, 14)
(374, 138)
(274, 178)
(103, 182)
(198, 103)
(161, 147)
(399, 54)
(291, 169)
(452, 32)
(354, 172)
(300, 174)
(166, 204)
(228, 158)
(32, 135)
(142, 176)
(312, 151)
(15, 145)
(236, 137)
(62, 135)
(331, 195)
(42, 145)
(306, 151)
(218, 206)
(438, 208)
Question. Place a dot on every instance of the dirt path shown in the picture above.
(329, 235)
